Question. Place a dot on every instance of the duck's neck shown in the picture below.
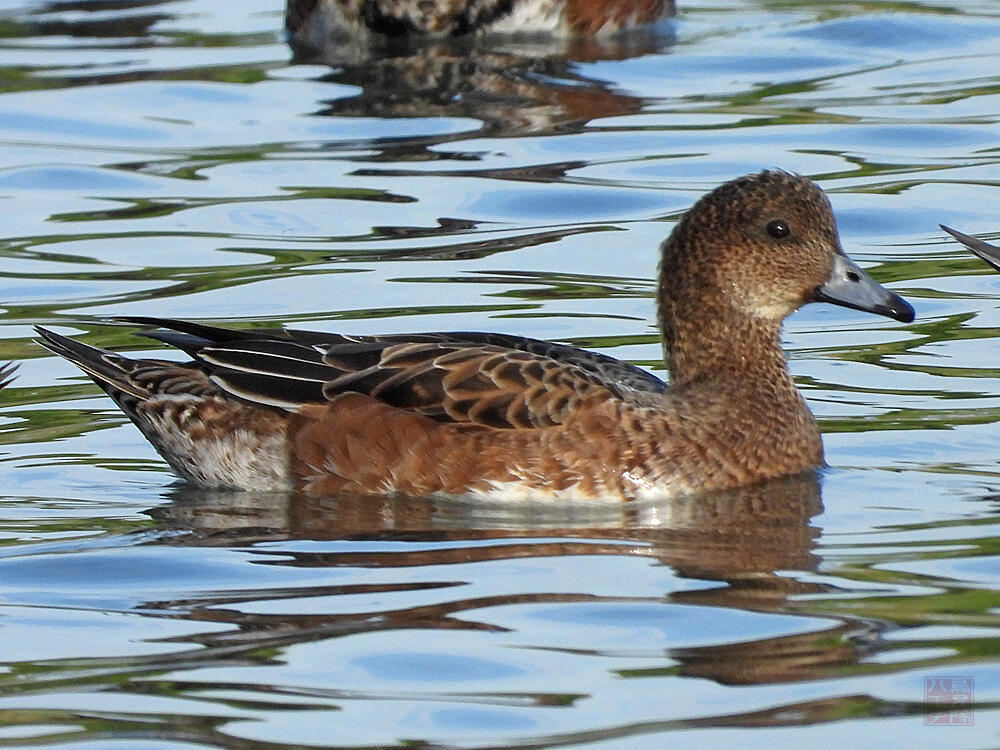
(714, 345)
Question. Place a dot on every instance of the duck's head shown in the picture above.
(756, 249)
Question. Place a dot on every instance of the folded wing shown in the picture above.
(488, 379)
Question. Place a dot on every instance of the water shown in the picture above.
(179, 158)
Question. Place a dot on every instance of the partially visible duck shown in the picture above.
(492, 414)
(7, 374)
(451, 18)
(984, 250)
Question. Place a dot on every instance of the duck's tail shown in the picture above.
(109, 370)
(130, 382)
(181, 412)
(7, 370)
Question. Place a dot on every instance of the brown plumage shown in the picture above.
(457, 413)
(449, 18)
(587, 17)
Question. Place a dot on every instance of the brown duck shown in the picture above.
(496, 415)
(450, 18)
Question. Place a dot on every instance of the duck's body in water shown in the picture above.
(490, 414)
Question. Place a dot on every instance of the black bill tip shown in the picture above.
(897, 309)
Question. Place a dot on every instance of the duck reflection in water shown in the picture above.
(512, 84)
(744, 539)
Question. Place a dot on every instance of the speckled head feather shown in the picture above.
(504, 416)
(729, 242)
(743, 258)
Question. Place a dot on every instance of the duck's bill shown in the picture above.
(849, 286)
(984, 250)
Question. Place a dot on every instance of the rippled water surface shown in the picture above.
(182, 159)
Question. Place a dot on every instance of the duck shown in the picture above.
(435, 19)
(490, 415)
(8, 372)
(983, 250)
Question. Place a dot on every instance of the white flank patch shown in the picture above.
(240, 459)
(524, 488)
(531, 17)
(519, 491)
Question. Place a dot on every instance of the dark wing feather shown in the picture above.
(269, 390)
(489, 379)
(608, 369)
(280, 358)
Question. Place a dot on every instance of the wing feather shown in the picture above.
(270, 390)
(257, 360)
(500, 381)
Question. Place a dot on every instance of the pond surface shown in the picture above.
(181, 159)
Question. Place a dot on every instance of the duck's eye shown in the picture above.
(779, 229)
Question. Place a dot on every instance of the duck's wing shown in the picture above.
(482, 378)
(190, 337)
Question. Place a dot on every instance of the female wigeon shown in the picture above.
(491, 414)
(450, 18)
